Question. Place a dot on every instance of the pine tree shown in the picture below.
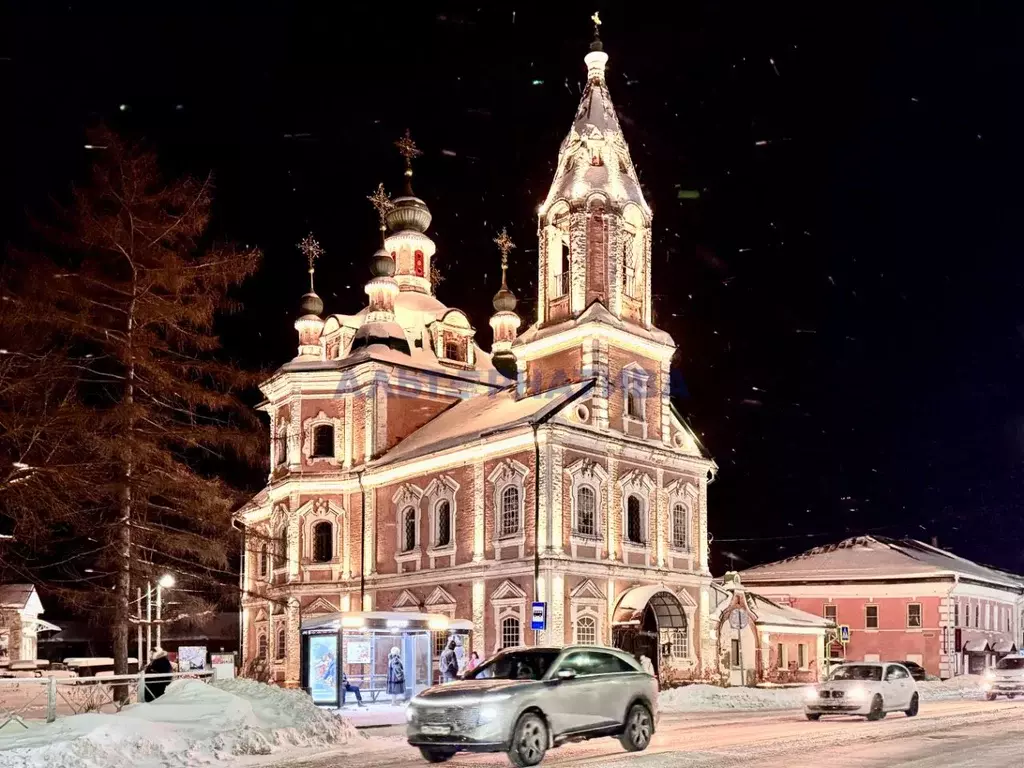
(126, 298)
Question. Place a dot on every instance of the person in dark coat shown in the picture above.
(396, 676)
(449, 664)
(159, 665)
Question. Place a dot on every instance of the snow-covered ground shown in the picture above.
(707, 698)
(192, 724)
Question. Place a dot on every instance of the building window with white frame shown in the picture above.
(511, 632)
(634, 404)
(281, 555)
(871, 617)
(281, 640)
(442, 523)
(635, 528)
(264, 560)
(323, 441)
(831, 612)
(281, 444)
(780, 656)
(509, 512)
(261, 647)
(680, 517)
(409, 529)
(585, 630)
(801, 655)
(914, 615)
(323, 542)
(586, 511)
(634, 394)
(674, 643)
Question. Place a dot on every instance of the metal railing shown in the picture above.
(38, 698)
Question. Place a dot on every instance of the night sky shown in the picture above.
(845, 290)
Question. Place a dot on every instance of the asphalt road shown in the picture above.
(949, 734)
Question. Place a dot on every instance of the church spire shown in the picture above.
(408, 218)
(310, 324)
(504, 322)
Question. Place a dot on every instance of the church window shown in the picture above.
(323, 542)
(418, 263)
(452, 348)
(635, 520)
(586, 511)
(633, 404)
(262, 648)
(586, 630)
(281, 444)
(281, 637)
(509, 525)
(323, 441)
(679, 526)
(281, 556)
(264, 560)
(408, 529)
(443, 516)
(511, 635)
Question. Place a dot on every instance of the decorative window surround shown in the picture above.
(685, 493)
(588, 600)
(407, 602)
(637, 483)
(690, 610)
(307, 438)
(588, 473)
(319, 606)
(508, 601)
(441, 601)
(407, 495)
(635, 381)
(316, 511)
(453, 326)
(442, 489)
(279, 443)
(509, 473)
(280, 535)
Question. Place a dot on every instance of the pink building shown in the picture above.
(902, 600)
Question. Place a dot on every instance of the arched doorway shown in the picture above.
(647, 619)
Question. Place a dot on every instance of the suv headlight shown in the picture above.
(410, 713)
(811, 694)
(488, 714)
(990, 675)
(857, 694)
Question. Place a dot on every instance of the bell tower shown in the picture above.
(594, 314)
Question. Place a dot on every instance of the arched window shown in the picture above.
(674, 643)
(323, 542)
(443, 521)
(264, 560)
(679, 526)
(586, 630)
(509, 511)
(408, 529)
(634, 407)
(281, 448)
(281, 556)
(280, 644)
(586, 511)
(635, 520)
(261, 645)
(510, 632)
(323, 441)
(452, 348)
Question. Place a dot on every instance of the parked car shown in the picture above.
(525, 701)
(867, 689)
(916, 670)
(1007, 679)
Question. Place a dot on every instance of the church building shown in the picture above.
(413, 470)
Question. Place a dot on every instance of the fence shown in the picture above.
(38, 698)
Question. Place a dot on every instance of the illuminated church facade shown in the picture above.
(411, 470)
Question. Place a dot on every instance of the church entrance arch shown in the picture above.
(645, 619)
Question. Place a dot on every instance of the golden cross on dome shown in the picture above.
(312, 251)
(407, 148)
(505, 245)
(596, 18)
(381, 200)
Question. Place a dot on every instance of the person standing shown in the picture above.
(158, 665)
(474, 661)
(396, 676)
(449, 664)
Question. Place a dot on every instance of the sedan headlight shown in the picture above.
(811, 694)
(410, 713)
(488, 714)
(857, 694)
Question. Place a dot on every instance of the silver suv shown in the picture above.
(525, 701)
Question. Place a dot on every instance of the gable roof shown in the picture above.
(768, 611)
(20, 597)
(873, 558)
(479, 416)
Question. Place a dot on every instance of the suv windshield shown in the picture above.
(856, 672)
(520, 665)
(1011, 662)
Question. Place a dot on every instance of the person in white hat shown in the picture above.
(396, 676)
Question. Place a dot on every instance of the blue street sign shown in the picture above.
(844, 633)
(540, 616)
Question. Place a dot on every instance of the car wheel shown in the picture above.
(990, 697)
(1011, 695)
(529, 741)
(914, 704)
(433, 755)
(815, 717)
(637, 733)
(876, 712)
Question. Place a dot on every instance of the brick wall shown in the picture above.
(790, 670)
(554, 370)
(619, 359)
(407, 413)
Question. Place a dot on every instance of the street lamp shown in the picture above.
(166, 582)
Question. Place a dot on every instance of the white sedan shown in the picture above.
(866, 689)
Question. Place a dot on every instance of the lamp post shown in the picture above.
(166, 582)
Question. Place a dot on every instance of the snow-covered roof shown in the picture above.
(596, 313)
(768, 611)
(20, 597)
(874, 557)
(479, 416)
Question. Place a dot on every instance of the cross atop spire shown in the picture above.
(505, 245)
(312, 250)
(596, 45)
(381, 201)
(407, 148)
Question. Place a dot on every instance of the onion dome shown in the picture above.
(311, 304)
(408, 211)
(382, 265)
(504, 300)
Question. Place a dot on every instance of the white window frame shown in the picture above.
(637, 483)
(587, 600)
(318, 511)
(408, 495)
(877, 617)
(281, 649)
(279, 443)
(508, 600)
(635, 379)
(509, 473)
(262, 646)
(802, 649)
(920, 616)
(591, 619)
(588, 473)
(441, 489)
(322, 419)
(835, 610)
(782, 651)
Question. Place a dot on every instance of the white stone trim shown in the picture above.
(635, 380)
(479, 524)
(441, 601)
(587, 600)
(687, 494)
(508, 601)
(637, 483)
(406, 601)
(509, 473)
(317, 511)
(590, 474)
(440, 489)
(308, 427)
(408, 496)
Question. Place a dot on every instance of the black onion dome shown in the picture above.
(382, 265)
(504, 300)
(311, 304)
(408, 213)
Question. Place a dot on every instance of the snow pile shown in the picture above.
(962, 687)
(701, 698)
(193, 724)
